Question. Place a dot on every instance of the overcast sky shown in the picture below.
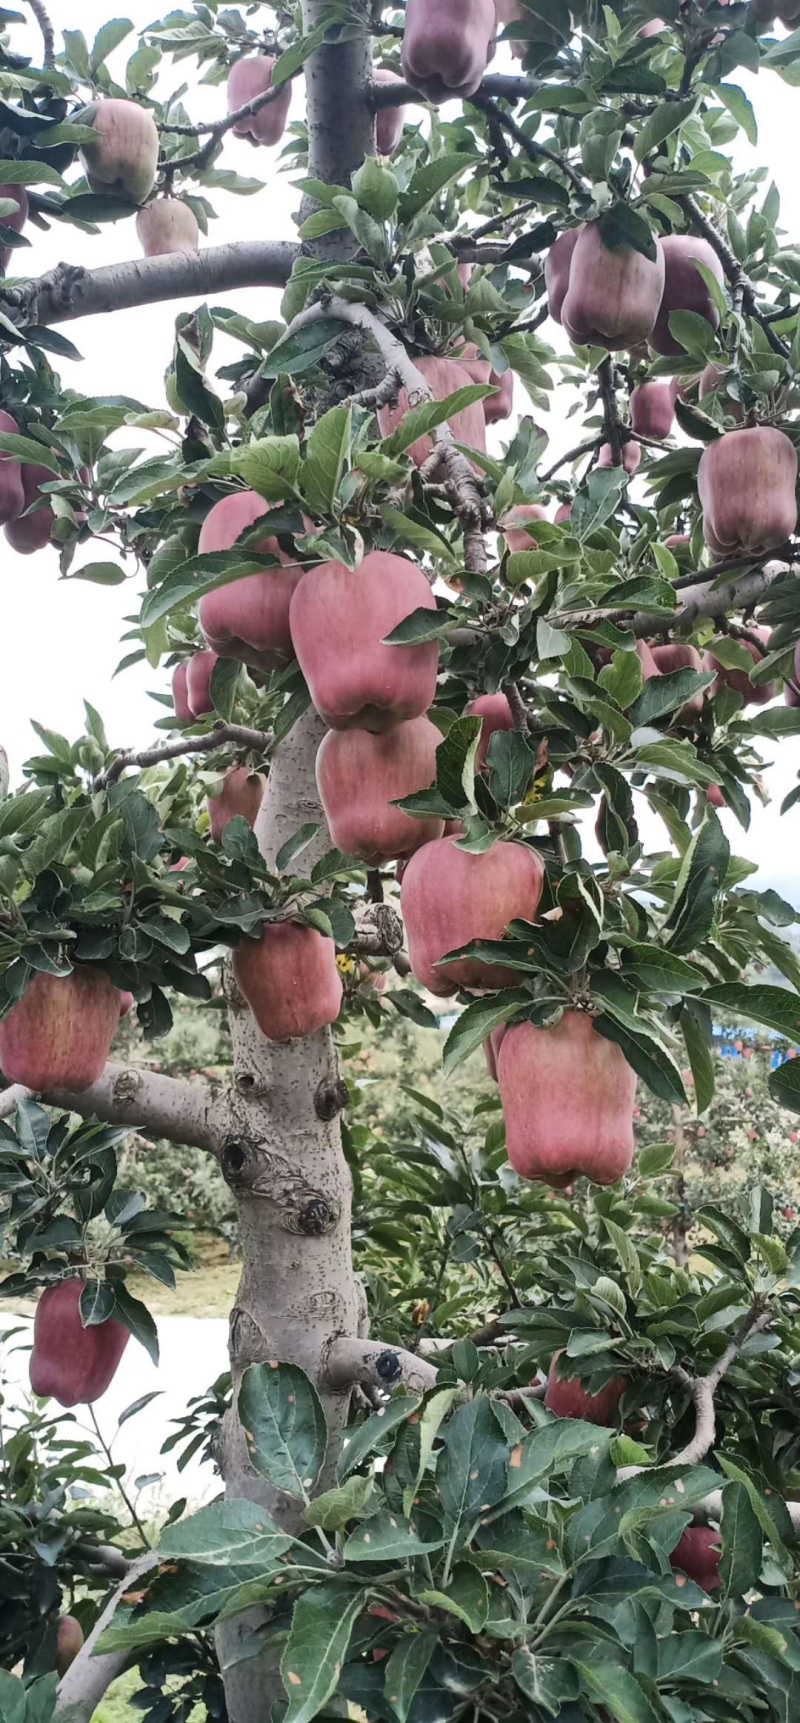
(61, 638)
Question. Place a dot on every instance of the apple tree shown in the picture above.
(430, 699)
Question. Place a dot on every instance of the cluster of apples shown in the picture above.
(621, 299)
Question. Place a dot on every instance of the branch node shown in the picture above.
(331, 1097)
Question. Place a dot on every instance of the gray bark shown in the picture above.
(288, 1174)
(68, 293)
(87, 1679)
(298, 1293)
(188, 1113)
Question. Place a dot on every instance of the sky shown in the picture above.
(61, 638)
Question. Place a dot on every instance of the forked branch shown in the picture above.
(703, 1390)
(239, 734)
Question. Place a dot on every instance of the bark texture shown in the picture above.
(298, 1293)
(67, 292)
(190, 1113)
(284, 1164)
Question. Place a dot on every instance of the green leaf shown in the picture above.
(773, 1007)
(696, 1028)
(109, 37)
(100, 573)
(299, 351)
(701, 878)
(622, 679)
(405, 1670)
(648, 1057)
(29, 173)
(737, 104)
(511, 764)
(657, 1158)
(549, 1682)
(627, 1254)
(690, 1656)
(660, 125)
(421, 536)
(388, 1537)
(284, 1427)
(608, 1684)
(344, 1502)
(473, 1467)
(97, 1302)
(376, 189)
(29, 450)
(322, 1623)
(473, 1025)
(421, 420)
(295, 56)
(12, 1698)
(661, 971)
(621, 225)
(663, 694)
(740, 1564)
(466, 1598)
(455, 763)
(229, 1533)
(362, 1440)
(136, 1317)
(430, 1422)
(420, 625)
(784, 1085)
(327, 457)
(428, 181)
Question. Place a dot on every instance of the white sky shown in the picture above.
(61, 638)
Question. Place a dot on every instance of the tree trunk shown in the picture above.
(283, 1158)
(285, 1167)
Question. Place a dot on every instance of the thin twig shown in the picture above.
(221, 733)
(458, 241)
(734, 274)
(611, 420)
(519, 710)
(118, 1481)
(535, 151)
(571, 455)
(201, 158)
(48, 33)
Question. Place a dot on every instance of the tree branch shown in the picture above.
(608, 396)
(571, 455)
(704, 1388)
(217, 737)
(103, 1558)
(511, 88)
(68, 292)
(217, 129)
(534, 151)
(48, 33)
(145, 1100)
(743, 287)
(461, 479)
(698, 600)
(367, 1363)
(88, 1677)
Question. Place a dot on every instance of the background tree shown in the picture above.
(511, 1556)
